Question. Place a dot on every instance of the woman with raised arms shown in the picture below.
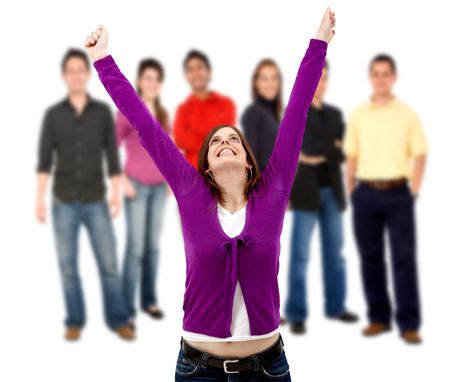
(232, 218)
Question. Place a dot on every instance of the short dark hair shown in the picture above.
(382, 57)
(194, 53)
(77, 53)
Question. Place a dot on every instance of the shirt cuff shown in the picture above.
(104, 62)
(318, 44)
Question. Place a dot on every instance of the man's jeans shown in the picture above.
(67, 220)
(333, 264)
(375, 212)
(144, 215)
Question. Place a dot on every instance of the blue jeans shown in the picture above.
(190, 370)
(144, 215)
(67, 220)
(333, 264)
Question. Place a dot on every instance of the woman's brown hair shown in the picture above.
(203, 165)
(278, 99)
(160, 113)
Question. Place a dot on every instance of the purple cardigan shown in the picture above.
(214, 261)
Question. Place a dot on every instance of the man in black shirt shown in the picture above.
(318, 194)
(76, 132)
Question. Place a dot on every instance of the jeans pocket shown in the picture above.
(186, 366)
(276, 369)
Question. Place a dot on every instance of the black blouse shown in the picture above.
(324, 126)
(260, 127)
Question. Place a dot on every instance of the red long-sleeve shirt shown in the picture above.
(196, 117)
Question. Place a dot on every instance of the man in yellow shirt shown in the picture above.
(386, 149)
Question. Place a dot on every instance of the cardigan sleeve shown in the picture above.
(280, 171)
(181, 176)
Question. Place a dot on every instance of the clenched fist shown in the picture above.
(97, 43)
(328, 22)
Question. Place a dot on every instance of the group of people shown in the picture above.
(381, 138)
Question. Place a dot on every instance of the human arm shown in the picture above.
(41, 206)
(350, 174)
(282, 165)
(230, 112)
(112, 159)
(184, 136)
(45, 162)
(311, 159)
(418, 173)
(418, 148)
(179, 174)
(340, 136)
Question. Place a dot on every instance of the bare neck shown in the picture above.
(150, 103)
(232, 185)
(317, 102)
(382, 98)
(201, 93)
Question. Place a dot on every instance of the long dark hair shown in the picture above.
(278, 99)
(203, 165)
(151, 63)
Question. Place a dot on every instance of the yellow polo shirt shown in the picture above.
(383, 139)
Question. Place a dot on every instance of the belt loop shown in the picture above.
(181, 341)
(281, 339)
(204, 360)
(255, 361)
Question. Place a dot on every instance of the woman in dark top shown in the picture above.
(261, 118)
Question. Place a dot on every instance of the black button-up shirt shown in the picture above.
(77, 144)
(324, 126)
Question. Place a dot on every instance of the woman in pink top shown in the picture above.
(145, 195)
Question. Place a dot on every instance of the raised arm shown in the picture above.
(179, 174)
(280, 171)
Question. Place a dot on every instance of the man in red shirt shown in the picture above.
(202, 110)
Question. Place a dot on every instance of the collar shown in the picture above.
(224, 212)
(212, 95)
(89, 102)
(393, 100)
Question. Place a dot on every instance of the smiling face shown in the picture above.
(226, 151)
(197, 74)
(149, 83)
(382, 76)
(268, 82)
(76, 75)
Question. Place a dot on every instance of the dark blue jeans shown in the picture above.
(144, 215)
(374, 212)
(190, 370)
(67, 220)
(329, 216)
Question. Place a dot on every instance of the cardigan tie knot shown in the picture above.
(229, 248)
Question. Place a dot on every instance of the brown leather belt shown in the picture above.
(385, 184)
(235, 365)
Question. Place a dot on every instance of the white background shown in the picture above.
(236, 35)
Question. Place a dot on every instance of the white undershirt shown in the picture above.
(232, 224)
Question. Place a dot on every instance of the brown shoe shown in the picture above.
(73, 333)
(376, 328)
(411, 337)
(125, 332)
